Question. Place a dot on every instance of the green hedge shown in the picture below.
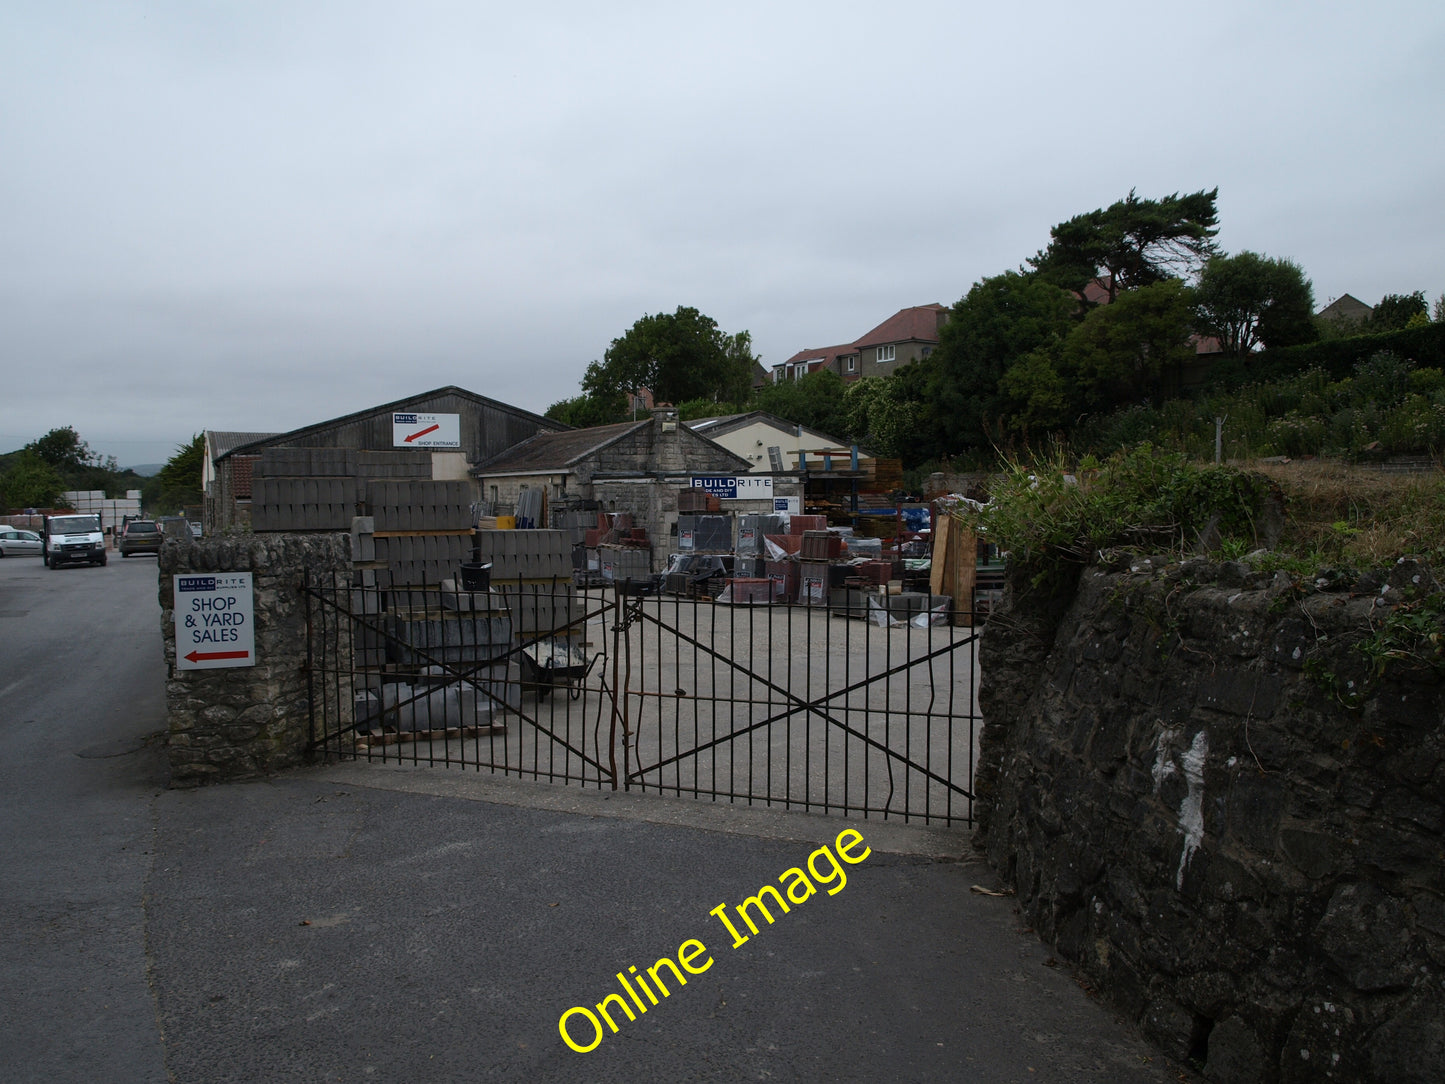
(1425, 346)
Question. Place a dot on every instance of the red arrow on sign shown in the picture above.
(207, 656)
(423, 433)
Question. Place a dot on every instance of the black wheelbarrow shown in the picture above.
(548, 663)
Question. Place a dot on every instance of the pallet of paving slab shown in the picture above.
(452, 733)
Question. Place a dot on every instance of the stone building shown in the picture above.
(635, 467)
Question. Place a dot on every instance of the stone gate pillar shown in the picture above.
(244, 722)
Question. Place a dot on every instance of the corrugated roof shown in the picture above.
(556, 451)
(450, 389)
(223, 442)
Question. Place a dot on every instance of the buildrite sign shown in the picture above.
(426, 430)
(732, 487)
(215, 621)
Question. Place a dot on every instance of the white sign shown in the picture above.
(754, 489)
(426, 430)
(215, 620)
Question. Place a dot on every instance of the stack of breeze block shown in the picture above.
(533, 571)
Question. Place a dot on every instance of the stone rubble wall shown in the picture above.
(1191, 814)
(244, 722)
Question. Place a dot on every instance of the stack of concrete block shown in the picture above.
(527, 555)
(624, 563)
(305, 463)
(401, 463)
(424, 637)
(414, 560)
(538, 608)
(363, 544)
(574, 523)
(419, 505)
(368, 642)
(302, 504)
(533, 569)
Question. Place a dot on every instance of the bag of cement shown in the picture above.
(879, 615)
(409, 708)
(934, 617)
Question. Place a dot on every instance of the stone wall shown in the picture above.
(246, 721)
(1208, 800)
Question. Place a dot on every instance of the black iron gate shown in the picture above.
(864, 709)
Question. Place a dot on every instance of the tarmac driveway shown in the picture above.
(368, 923)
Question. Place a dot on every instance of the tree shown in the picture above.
(1249, 300)
(997, 322)
(1132, 243)
(816, 400)
(585, 411)
(1039, 398)
(180, 478)
(64, 450)
(29, 481)
(677, 356)
(1395, 311)
(1121, 352)
(884, 414)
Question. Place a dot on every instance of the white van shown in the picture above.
(72, 539)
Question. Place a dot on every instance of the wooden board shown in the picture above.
(954, 568)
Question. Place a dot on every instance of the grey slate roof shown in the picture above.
(556, 451)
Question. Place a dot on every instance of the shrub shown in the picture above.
(1048, 518)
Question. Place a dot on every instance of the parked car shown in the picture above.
(18, 542)
(140, 536)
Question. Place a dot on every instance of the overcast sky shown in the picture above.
(259, 215)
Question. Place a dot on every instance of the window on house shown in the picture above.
(886, 353)
(848, 363)
(926, 351)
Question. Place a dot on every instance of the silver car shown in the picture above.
(18, 542)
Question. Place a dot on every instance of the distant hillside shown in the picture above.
(146, 470)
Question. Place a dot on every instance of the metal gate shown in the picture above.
(858, 709)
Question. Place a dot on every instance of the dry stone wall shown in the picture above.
(1208, 799)
(247, 721)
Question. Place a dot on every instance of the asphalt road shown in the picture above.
(377, 923)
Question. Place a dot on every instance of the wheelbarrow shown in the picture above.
(548, 663)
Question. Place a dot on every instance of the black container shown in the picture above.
(476, 577)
